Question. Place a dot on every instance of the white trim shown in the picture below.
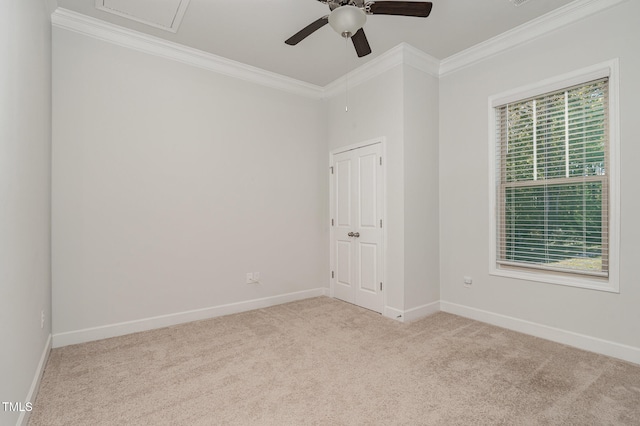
(353, 146)
(386, 61)
(614, 176)
(403, 53)
(101, 30)
(609, 68)
(525, 33)
(583, 75)
(393, 313)
(400, 54)
(422, 311)
(23, 419)
(105, 31)
(581, 341)
(128, 327)
(412, 314)
(420, 60)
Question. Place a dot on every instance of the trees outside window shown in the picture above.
(553, 181)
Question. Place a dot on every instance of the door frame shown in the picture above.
(383, 144)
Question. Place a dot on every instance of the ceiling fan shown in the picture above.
(348, 16)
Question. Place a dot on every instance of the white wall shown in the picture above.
(375, 111)
(25, 152)
(171, 182)
(400, 105)
(464, 185)
(421, 200)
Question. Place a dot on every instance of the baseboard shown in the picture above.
(23, 419)
(120, 329)
(393, 313)
(411, 314)
(421, 311)
(581, 341)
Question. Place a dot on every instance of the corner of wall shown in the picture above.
(35, 384)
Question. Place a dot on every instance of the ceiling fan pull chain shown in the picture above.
(346, 75)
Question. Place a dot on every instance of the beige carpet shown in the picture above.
(322, 361)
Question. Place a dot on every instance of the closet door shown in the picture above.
(356, 237)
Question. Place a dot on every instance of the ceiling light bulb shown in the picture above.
(346, 20)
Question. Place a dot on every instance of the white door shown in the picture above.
(356, 237)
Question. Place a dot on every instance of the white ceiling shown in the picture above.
(253, 31)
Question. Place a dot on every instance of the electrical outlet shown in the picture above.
(468, 281)
(253, 277)
(42, 319)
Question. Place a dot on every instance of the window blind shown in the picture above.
(552, 181)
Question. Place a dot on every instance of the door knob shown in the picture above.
(356, 234)
(350, 234)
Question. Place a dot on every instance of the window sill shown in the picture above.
(609, 285)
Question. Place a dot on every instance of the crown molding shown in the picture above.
(92, 27)
(420, 60)
(524, 33)
(386, 61)
(105, 31)
(403, 53)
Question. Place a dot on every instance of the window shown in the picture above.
(553, 189)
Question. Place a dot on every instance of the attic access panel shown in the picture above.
(163, 14)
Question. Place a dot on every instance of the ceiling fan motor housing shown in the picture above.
(334, 4)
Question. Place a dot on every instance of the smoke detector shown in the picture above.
(518, 2)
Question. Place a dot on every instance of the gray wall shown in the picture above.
(25, 154)
(375, 110)
(171, 182)
(421, 189)
(401, 105)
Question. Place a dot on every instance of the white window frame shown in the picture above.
(584, 75)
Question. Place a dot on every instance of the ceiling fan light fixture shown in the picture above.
(346, 20)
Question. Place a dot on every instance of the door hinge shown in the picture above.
(381, 161)
(380, 286)
(332, 274)
(380, 223)
(331, 222)
(331, 170)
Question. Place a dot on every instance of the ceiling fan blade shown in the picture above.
(421, 9)
(360, 43)
(307, 31)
